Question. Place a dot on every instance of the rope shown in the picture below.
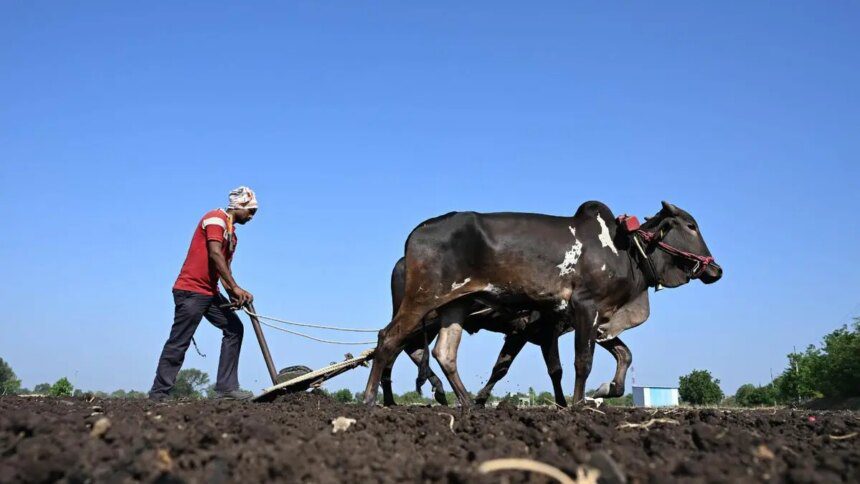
(303, 335)
(196, 348)
(308, 325)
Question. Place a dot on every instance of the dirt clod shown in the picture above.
(100, 427)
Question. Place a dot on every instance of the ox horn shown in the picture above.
(668, 207)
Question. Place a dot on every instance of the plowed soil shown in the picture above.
(44, 439)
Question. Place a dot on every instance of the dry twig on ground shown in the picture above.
(646, 425)
(843, 437)
(451, 424)
(584, 475)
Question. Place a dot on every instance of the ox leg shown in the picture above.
(512, 347)
(445, 350)
(549, 348)
(391, 341)
(585, 320)
(623, 360)
(387, 393)
(420, 356)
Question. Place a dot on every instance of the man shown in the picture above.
(196, 295)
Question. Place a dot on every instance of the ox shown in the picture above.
(519, 328)
(583, 269)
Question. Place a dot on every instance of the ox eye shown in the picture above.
(691, 227)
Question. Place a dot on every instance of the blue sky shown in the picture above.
(121, 124)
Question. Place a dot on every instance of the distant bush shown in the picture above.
(625, 401)
(343, 396)
(700, 388)
(190, 383)
(62, 388)
(750, 395)
(9, 383)
(833, 370)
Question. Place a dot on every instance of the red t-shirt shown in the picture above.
(198, 273)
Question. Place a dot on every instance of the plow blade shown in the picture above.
(313, 378)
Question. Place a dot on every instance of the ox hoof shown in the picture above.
(605, 390)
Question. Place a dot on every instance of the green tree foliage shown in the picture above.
(750, 395)
(545, 398)
(700, 388)
(118, 394)
(190, 383)
(452, 398)
(42, 389)
(343, 396)
(833, 370)
(62, 388)
(836, 366)
(135, 394)
(412, 398)
(625, 401)
(9, 383)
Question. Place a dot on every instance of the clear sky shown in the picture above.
(121, 124)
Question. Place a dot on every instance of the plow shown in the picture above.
(299, 378)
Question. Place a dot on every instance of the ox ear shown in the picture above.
(669, 208)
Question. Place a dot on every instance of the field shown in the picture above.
(116, 440)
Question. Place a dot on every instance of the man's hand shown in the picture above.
(241, 297)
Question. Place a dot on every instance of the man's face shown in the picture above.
(244, 215)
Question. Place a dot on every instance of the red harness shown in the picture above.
(631, 224)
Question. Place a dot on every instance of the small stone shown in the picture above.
(100, 427)
(763, 452)
(163, 462)
(341, 424)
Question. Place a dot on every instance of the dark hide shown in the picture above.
(519, 327)
(582, 268)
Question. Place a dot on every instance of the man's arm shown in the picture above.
(238, 295)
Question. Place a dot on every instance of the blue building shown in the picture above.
(655, 396)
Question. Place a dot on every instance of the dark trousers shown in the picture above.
(191, 307)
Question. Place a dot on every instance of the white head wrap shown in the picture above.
(242, 197)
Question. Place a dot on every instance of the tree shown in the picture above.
(62, 388)
(836, 366)
(9, 383)
(833, 370)
(700, 388)
(750, 395)
(625, 401)
(135, 394)
(42, 389)
(118, 394)
(411, 398)
(545, 398)
(190, 383)
(343, 396)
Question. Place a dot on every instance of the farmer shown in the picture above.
(196, 295)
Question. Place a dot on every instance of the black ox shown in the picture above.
(519, 327)
(584, 271)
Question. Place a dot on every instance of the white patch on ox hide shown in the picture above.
(571, 257)
(492, 289)
(603, 268)
(596, 315)
(605, 238)
(562, 305)
(458, 285)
